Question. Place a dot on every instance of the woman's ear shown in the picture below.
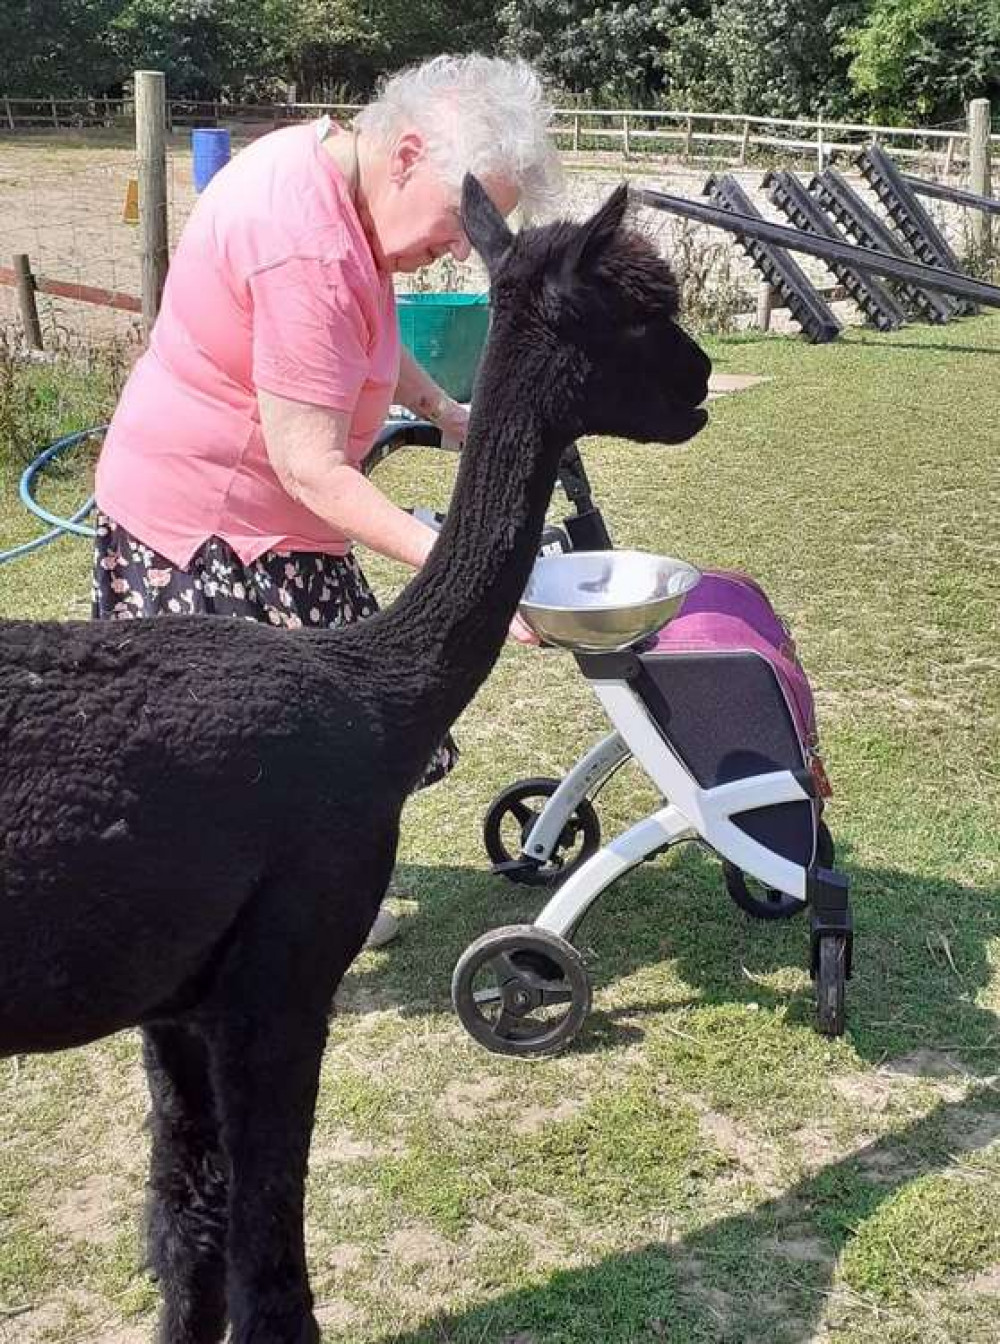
(408, 150)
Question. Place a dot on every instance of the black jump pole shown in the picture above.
(861, 258)
(988, 204)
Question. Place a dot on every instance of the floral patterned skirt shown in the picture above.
(283, 588)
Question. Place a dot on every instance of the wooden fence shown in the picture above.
(632, 133)
(21, 277)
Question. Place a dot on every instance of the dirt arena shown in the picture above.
(62, 203)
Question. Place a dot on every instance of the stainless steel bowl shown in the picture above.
(599, 601)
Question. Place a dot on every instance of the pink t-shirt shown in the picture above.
(273, 285)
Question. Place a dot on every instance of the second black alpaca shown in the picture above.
(198, 818)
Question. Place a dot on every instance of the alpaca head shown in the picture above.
(591, 311)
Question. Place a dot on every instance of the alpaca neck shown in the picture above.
(450, 623)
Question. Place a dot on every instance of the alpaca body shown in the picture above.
(164, 803)
(199, 817)
(150, 795)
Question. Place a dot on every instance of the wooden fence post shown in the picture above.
(10, 113)
(949, 155)
(688, 132)
(26, 301)
(151, 155)
(979, 170)
(745, 142)
(576, 132)
(626, 144)
(55, 113)
(820, 150)
(765, 300)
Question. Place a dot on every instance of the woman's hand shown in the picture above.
(307, 447)
(521, 632)
(416, 389)
(453, 422)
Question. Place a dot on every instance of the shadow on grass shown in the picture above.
(761, 1277)
(920, 961)
(939, 347)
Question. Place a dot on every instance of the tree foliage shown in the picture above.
(56, 46)
(612, 52)
(925, 57)
(908, 58)
(899, 59)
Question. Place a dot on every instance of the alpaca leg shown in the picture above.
(266, 1023)
(187, 1205)
(267, 1074)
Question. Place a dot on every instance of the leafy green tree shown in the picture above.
(616, 52)
(209, 48)
(756, 56)
(56, 47)
(242, 48)
(349, 45)
(925, 58)
(897, 59)
(764, 57)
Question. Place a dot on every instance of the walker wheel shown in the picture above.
(508, 823)
(521, 990)
(831, 975)
(765, 902)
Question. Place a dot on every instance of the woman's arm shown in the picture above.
(417, 390)
(306, 446)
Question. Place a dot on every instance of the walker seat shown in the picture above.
(726, 687)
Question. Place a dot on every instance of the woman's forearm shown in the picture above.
(352, 504)
(307, 447)
(417, 390)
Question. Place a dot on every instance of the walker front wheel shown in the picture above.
(521, 990)
(509, 822)
(831, 977)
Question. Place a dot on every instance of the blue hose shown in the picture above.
(389, 438)
(60, 526)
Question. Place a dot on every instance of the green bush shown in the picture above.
(40, 402)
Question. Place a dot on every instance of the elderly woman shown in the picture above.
(229, 482)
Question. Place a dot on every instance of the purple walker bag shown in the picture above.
(727, 612)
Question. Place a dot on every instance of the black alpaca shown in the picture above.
(198, 818)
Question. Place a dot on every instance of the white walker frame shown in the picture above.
(691, 813)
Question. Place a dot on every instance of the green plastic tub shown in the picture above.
(445, 333)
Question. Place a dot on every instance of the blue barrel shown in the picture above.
(210, 152)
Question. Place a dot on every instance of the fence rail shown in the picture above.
(633, 132)
(71, 289)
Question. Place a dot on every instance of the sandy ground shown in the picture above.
(62, 203)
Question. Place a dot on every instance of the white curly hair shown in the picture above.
(477, 114)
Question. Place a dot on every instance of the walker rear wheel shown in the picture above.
(521, 990)
(508, 824)
(766, 902)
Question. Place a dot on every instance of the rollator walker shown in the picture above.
(703, 689)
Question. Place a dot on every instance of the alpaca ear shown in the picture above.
(483, 223)
(599, 230)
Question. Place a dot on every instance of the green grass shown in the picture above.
(701, 1167)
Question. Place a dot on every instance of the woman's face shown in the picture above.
(416, 214)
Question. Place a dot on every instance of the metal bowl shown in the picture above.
(600, 601)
